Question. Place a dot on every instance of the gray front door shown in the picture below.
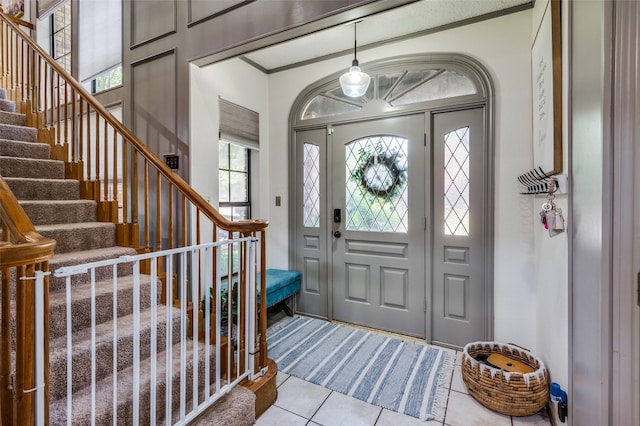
(378, 224)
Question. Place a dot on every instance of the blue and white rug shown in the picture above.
(405, 377)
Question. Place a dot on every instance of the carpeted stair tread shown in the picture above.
(13, 118)
(81, 303)
(31, 168)
(18, 133)
(61, 260)
(237, 408)
(46, 212)
(81, 411)
(71, 237)
(44, 189)
(81, 368)
(22, 149)
(8, 106)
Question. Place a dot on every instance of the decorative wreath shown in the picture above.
(375, 182)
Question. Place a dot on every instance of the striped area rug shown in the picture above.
(406, 377)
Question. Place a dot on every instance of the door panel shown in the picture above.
(377, 248)
(311, 224)
(459, 290)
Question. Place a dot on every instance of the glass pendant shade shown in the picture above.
(354, 83)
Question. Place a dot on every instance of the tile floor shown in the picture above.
(303, 403)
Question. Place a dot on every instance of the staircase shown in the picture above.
(54, 206)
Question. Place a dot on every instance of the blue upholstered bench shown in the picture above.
(280, 286)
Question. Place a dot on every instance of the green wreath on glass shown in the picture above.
(375, 182)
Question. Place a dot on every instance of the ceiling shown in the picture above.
(408, 21)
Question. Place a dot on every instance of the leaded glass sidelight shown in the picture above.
(456, 182)
(376, 184)
(311, 186)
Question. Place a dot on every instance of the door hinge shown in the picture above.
(425, 304)
(638, 289)
(425, 223)
(425, 139)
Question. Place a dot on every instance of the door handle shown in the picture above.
(337, 234)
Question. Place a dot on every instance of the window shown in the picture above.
(393, 89)
(61, 36)
(100, 44)
(107, 80)
(234, 181)
(234, 198)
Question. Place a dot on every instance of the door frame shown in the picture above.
(468, 66)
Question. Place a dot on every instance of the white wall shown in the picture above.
(235, 81)
(551, 276)
(503, 46)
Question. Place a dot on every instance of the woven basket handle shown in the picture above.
(518, 346)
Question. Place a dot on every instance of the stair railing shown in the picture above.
(152, 207)
(24, 254)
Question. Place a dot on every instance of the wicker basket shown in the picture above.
(512, 394)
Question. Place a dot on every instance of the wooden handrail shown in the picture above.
(28, 246)
(18, 21)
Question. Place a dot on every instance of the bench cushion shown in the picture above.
(280, 285)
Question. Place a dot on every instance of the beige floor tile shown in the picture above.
(463, 410)
(281, 378)
(457, 384)
(540, 419)
(343, 410)
(391, 418)
(300, 397)
(276, 416)
(459, 358)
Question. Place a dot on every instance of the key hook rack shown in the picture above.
(536, 181)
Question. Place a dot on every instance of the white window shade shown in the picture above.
(239, 125)
(99, 37)
(45, 7)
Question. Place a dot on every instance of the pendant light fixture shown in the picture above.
(354, 83)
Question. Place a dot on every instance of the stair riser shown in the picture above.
(7, 106)
(81, 367)
(18, 133)
(71, 212)
(70, 240)
(81, 309)
(29, 168)
(13, 118)
(33, 189)
(102, 273)
(24, 149)
(104, 411)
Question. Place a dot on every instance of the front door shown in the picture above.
(392, 226)
(378, 223)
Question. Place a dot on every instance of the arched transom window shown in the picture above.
(393, 88)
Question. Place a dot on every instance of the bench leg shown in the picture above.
(286, 308)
